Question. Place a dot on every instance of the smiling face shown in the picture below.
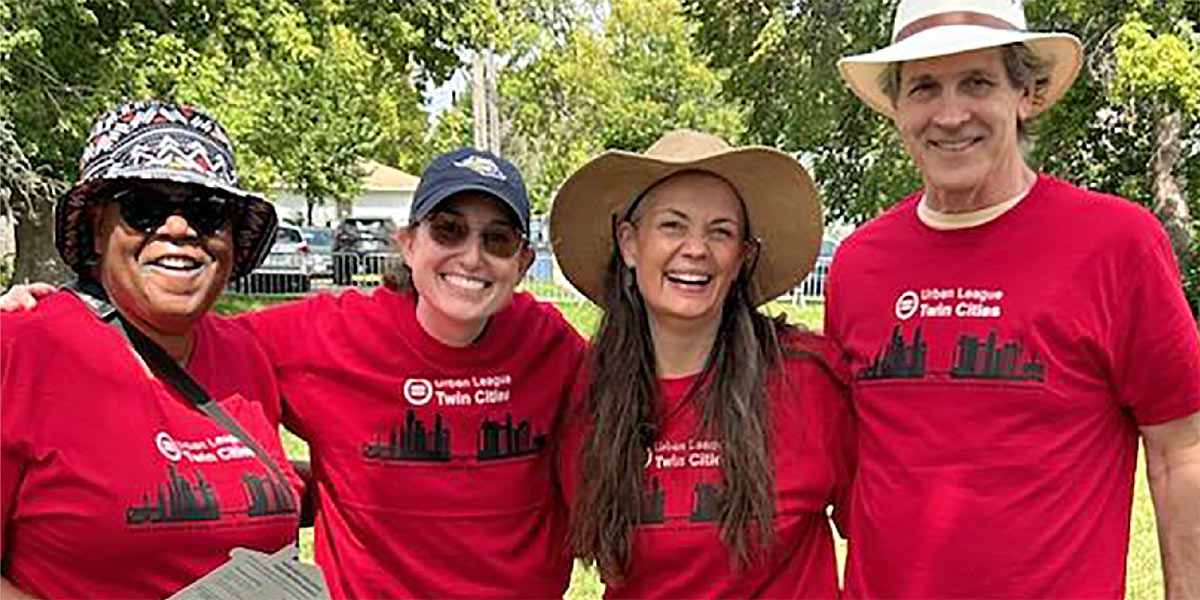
(460, 285)
(687, 245)
(167, 278)
(958, 116)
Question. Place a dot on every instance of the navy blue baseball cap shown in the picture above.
(471, 170)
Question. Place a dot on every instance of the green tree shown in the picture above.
(612, 75)
(305, 87)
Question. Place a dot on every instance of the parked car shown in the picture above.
(361, 245)
(320, 244)
(287, 269)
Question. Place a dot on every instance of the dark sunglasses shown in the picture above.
(146, 209)
(451, 231)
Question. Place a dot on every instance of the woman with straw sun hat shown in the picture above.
(708, 440)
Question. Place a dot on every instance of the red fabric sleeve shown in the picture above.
(12, 454)
(1155, 347)
(569, 445)
(832, 389)
(284, 331)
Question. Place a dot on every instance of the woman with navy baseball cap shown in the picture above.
(431, 404)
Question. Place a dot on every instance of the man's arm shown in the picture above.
(1173, 471)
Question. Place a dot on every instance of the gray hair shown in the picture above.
(1025, 69)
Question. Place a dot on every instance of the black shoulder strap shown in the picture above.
(165, 367)
(92, 294)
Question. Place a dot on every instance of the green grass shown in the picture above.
(1143, 571)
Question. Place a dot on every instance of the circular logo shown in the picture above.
(418, 391)
(907, 304)
(167, 446)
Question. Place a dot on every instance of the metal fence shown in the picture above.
(338, 271)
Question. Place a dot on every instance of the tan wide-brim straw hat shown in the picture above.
(781, 203)
(931, 28)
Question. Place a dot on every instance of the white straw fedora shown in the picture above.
(781, 203)
(929, 28)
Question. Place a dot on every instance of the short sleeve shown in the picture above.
(14, 431)
(831, 389)
(285, 334)
(1154, 340)
(569, 444)
(281, 329)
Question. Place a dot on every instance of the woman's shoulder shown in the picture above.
(536, 316)
(58, 318)
(808, 351)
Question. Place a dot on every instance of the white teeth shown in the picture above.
(465, 282)
(689, 277)
(177, 262)
(953, 146)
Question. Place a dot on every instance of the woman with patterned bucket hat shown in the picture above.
(709, 440)
(117, 481)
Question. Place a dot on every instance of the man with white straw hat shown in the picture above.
(1009, 336)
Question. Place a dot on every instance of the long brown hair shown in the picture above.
(731, 395)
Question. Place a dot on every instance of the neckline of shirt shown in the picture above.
(943, 221)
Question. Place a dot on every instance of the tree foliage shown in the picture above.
(305, 87)
(599, 79)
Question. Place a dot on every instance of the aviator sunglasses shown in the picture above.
(146, 209)
(451, 231)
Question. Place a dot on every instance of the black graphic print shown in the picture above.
(703, 502)
(178, 500)
(993, 359)
(268, 496)
(412, 442)
(496, 440)
(897, 359)
(654, 503)
(987, 361)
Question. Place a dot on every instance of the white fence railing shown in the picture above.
(366, 271)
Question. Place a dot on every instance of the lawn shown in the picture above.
(1142, 567)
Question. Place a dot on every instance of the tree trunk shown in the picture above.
(1169, 203)
(37, 258)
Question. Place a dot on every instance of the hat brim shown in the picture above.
(438, 196)
(862, 72)
(253, 231)
(781, 203)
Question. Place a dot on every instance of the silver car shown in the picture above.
(287, 269)
(320, 245)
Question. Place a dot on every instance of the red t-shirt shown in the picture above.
(1000, 374)
(677, 550)
(114, 485)
(430, 461)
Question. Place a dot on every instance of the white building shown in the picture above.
(386, 192)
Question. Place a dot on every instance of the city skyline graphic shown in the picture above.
(653, 503)
(992, 358)
(268, 496)
(898, 359)
(988, 361)
(411, 441)
(177, 500)
(703, 501)
(501, 440)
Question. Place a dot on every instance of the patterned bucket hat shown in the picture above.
(152, 141)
